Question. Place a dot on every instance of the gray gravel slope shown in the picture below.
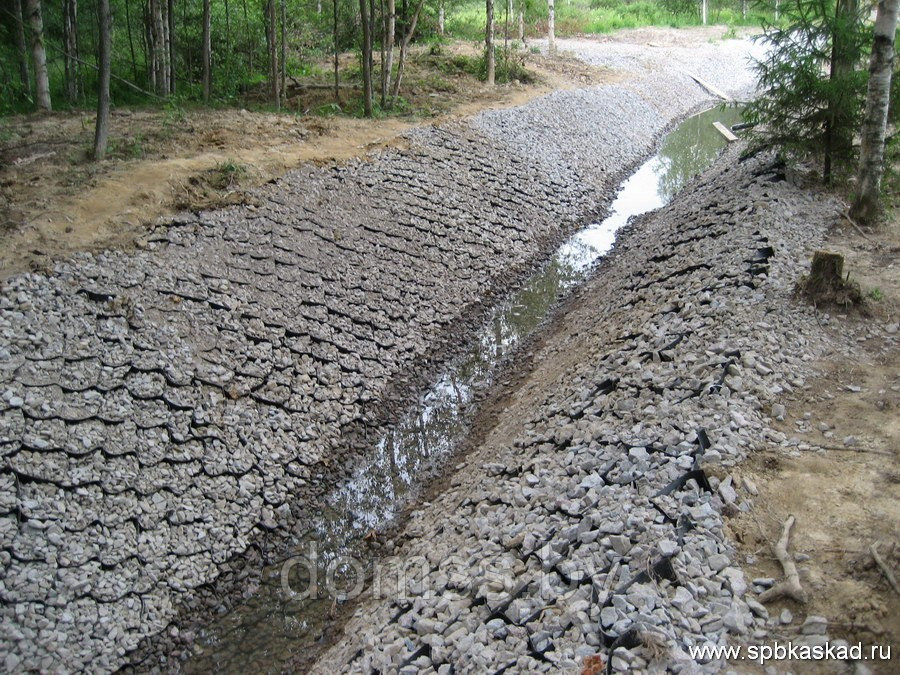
(163, 409)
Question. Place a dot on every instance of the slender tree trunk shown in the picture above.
(39, 55)
(522, 22)
(171, 46)
(248, 39)
(776, 10)
(744, 9)
(489, 41)
(101, 131)
(551, 26)
(404, 44)
(366, 52)
(134, 67)
(334, 37)
(21, 48)
(70, 49)
(441, 19)
(704, 10)
(843, 59)
(149, 49)
(866, 206)
(372, 46)
(207, 49)
(283, 51)
(318, 6)
(272, 45)
(390, 37)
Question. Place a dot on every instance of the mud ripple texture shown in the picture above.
(161, 410)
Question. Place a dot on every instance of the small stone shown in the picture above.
(758, 609)
(786, 617)
(814, 625)
(667, 548)
(778, 411)
(718, 562)
(850, 441)
(620, 543)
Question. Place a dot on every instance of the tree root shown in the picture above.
(790, 587)
(885, 570)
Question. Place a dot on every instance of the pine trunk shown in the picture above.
(874, 126)
(101, 132)
(70, 49)
(21, 48)
(39, 55)
(489, 42)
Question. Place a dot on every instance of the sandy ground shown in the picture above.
(845, 498)
(54, 201)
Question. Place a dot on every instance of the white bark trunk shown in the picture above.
(38, 54)
(101, 132)
(703, 10)
(441, 19)
(489, 42)
(874, 125)
(551, 25)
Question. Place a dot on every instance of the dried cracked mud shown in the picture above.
(166, 410)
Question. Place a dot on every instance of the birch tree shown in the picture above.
(551, 25)
(874, 125)
(39, 55)
(390, 21)
(366, 57)
(404, 44)
(207, 66)
(489, 42)
(101, 132)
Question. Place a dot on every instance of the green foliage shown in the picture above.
(227, 174)
(808, 106)
(876, 294)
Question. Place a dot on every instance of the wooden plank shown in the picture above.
(725, 131)
(710, 88)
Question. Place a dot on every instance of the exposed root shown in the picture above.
(790, 587)
(825, 284)
(885, 570)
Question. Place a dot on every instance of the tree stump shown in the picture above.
(826, 283)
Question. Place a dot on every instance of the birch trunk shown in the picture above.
(272, 45)
(489, 42)
(866, 206)
(207, 48)
(39, 55)
(704, 9)
(366, 61)
(334, 37)
(551, 25)
(101, 132)
(389, 37)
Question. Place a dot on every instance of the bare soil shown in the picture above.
(54, 201)
(847, 497)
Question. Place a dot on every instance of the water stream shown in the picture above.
(271, 625)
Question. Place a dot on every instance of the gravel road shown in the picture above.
(164, 410)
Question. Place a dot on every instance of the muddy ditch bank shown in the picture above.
(170, 415)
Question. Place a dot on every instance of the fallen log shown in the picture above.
(725, 131)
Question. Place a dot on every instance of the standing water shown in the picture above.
(274, 624)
